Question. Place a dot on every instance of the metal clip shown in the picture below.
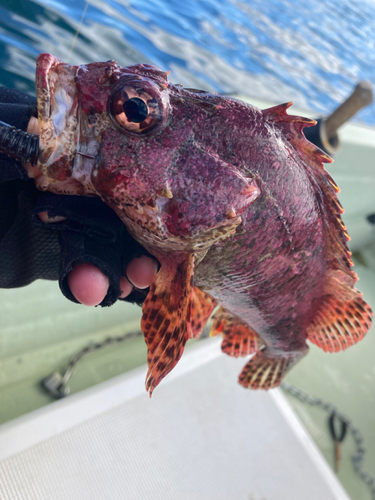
(55, 385)
(338, 438)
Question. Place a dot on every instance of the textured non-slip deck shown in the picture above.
(200, 437)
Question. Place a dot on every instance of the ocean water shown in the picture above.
(310, 52)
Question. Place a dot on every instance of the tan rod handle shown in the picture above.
(362, 96)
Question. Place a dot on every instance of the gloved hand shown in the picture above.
(79, 241)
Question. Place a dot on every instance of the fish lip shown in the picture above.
(57, 115)
(45, 64)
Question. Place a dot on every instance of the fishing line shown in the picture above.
(78, 30)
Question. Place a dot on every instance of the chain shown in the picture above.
(56, 384)
(355, 432)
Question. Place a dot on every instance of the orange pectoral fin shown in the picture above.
(166, 316)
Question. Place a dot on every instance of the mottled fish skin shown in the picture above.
(233, 201)
(272, 269)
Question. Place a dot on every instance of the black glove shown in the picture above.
(92, 233)
(31, 249)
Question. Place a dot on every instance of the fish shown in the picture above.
(233, 202)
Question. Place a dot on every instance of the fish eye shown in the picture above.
(136, 110)
(135, 107)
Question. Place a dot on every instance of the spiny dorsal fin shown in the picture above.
(291, 128)
(239, 339)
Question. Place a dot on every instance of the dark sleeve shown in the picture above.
(26, 252)
(16, 109)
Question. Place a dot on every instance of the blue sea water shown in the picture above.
(311, 52)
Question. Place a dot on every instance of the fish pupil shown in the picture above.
(135, 109)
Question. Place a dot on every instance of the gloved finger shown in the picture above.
(89, 215)
(44, 217)
(89, 232)
(32, 128)
(92, 233)
(33, 125)
(90, 286)
(77, 248)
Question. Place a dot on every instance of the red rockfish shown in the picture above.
(233, 201)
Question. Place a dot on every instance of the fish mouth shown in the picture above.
(57, 115)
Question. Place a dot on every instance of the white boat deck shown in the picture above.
(201, 436)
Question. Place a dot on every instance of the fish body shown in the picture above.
(233, 201)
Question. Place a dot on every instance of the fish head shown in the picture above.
(154, 152)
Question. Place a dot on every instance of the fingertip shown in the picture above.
(141, 271)
(88, 284)
(44, 217)
(126, 287)
(33, 126)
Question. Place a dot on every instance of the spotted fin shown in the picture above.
(166, 316)
(265, 371)
(239, 339)
(342, 319)
(202, 307)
